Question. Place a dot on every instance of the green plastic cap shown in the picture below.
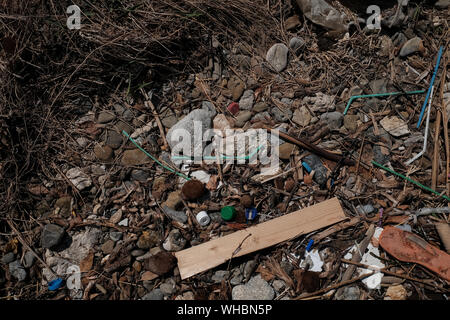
(227, 213)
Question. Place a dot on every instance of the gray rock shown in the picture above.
(255, 289)
(323, 14)
(236, 280)
(115, 235)
(411, 46)
(260, 106)
(287, 266)
(249, 267)
(105, 117)
(29, 259)
(302, 116)
(51, 235)
(261, 116)
(113, 139)
(155, 294)
(139, 175)
(399, 39)
(379, 85)
(220, 275)
(296, 44)
(442, 4)
(349, 293)
(8, 258)
(175, 215)
(278, 285)
(379, 156)
(174, 241)
(168, 287)
(17, 271)
(246, 101)
(333, 119)
(281, 115)
(216, 217)
(80, 179)
(314, 162)
(196, 120)
(123, 223)
(365, 209)
(277, 56)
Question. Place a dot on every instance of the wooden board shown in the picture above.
(215, 252)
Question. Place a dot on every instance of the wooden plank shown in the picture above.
(215, 252)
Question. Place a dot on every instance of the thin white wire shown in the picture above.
(417, 156)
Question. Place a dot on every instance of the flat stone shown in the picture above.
(179, 216)
(139, 175)
(292, 22)
(379, 85)
(220, 275)
(147, 240)
(80, 179)
(413, 45)
(333, 119)
(134, 157)
(285, 151)
(51, 235)
(277, 56)
(296, 44)
(103, 153)
(155, 294)
(281, 115)
(255, 289)
(349, 293)
(351, 122)
(108, 246)
(189, 128)
(237, 87)
(115, 218)
(17, 271)
(8, 258)
(168, 287)
(174, 200)
(114, 139)
(29, 259)
(302, 116)
(442, 4)
(174, 241)
(395, 126)
(246, 101)
(105, 117)
(123, 223)
(115, 235)
(63, 204)
(242, 118)
(260, 106)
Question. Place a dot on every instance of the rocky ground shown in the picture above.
(114, 216)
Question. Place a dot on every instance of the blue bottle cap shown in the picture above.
(250, 213)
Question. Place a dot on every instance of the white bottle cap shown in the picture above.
(203, 218)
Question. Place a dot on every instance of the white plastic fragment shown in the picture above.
(312, 259)
(203, 218)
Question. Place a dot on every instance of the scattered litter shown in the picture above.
(250, 213)
(312, 261)
(55, 284)
(228, 213)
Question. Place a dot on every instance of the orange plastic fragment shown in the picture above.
(408, 247)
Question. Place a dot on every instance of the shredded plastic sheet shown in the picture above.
(374, 281)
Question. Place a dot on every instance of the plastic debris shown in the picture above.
(313, 261)
(55, 284)
(228, 213)
(250, 213)
(310, 244)
(203, 218)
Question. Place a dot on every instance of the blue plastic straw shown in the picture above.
(436, 67)
(310, 243)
